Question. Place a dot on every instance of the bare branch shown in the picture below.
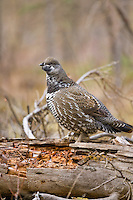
(28, 117)
(99, 135)
(13, 112)
(113, 196)
(36, 103)
(108, 181)
(95, 71)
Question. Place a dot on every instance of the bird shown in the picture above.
(74, 108)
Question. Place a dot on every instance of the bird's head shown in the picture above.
(56, 76)
(51, 66)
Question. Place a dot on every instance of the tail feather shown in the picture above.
(106, 128)
(116, 126)
(122, 126)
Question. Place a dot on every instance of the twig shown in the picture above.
(116, 169)
(28, 109)
(13, 112)
(97, 187)
(27, 118)
(104, 91)
(129, 193)
(36, 103)
(12, 125)
(99, 135)
(117, 91)
(42, 120)
(74, 183)
(122, 140)
(129, 139)
(95, 71)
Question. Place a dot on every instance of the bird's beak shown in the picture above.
(44, 67)
(41, 64)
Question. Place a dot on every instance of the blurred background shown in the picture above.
(81, 34)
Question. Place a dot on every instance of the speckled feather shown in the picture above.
(75, 108)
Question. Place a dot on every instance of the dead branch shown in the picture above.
(113, 196)
(87, 74)
(36, 103)
(108, 181)
(26, 119)
(13, 112)
(99, 135)
(122, 140)
(127, 181)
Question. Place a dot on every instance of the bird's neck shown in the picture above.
(56, 83)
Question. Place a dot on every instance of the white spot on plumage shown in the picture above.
(70, 97)
(123, 125)
(79, 115)
(89, 120)
(71, 107)
(76, 106)
(73, 123)
(70, 111)
(74, 118)
(58, 109)
(63, 102)
(65, 111)
(82, 113)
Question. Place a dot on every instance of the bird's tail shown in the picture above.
(120, 126)
(116, 126)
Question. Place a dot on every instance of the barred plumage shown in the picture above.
(75, 108)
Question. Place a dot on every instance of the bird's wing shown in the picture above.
(83, 101)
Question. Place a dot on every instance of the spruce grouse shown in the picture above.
(73, 107)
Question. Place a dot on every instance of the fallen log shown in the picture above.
(65, 170)
(92, 181)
